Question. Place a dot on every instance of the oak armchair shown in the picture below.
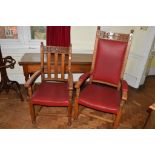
(106, 90)
(56, 87)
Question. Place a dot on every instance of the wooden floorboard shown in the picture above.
(14, 114)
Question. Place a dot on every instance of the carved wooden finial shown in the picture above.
(42, 44)
(132, 31)
(98, 27)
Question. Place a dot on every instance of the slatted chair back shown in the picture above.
(55, 62)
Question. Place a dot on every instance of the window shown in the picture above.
(11, 37)
(38, 32)
(8, 32)
(22, 36)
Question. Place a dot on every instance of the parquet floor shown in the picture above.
(14, 114)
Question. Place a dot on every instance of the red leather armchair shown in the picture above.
(106, 90)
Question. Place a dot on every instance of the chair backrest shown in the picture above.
(55, 62)
(110, 57)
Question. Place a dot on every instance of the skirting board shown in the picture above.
(131, 80)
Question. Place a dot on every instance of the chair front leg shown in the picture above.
(32, 113)
(117, 120)
(70, 108)
(31, 106)
(118, 115)
(69, 114)
(76, 104)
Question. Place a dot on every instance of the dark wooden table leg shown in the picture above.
(26, 76)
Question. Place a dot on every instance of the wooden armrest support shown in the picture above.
(70, 81)
(124, 90)
(31, 80)
(82, 79)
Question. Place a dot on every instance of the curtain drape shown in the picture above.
(58, 36)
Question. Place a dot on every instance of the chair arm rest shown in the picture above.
(124, 90)
(31, 80)
(82, 79)
(70, 81)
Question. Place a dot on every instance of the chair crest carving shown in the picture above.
(55, 49)
(114, 36)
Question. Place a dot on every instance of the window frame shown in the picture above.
(24, 40)
(13, 43)
(32, 43)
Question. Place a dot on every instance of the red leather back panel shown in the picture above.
(109, 61)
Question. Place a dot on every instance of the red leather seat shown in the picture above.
(51, 94)
(103, 98)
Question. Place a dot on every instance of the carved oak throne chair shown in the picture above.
(106, 91)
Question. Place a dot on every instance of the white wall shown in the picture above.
(139, 52)
(83, 38)
(151, 69)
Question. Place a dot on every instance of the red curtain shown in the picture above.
(58, 36)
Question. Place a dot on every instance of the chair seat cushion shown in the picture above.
(51, 94)
(100, 97)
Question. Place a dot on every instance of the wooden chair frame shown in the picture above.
(48, 68)
(122, 84)
(149, 110)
